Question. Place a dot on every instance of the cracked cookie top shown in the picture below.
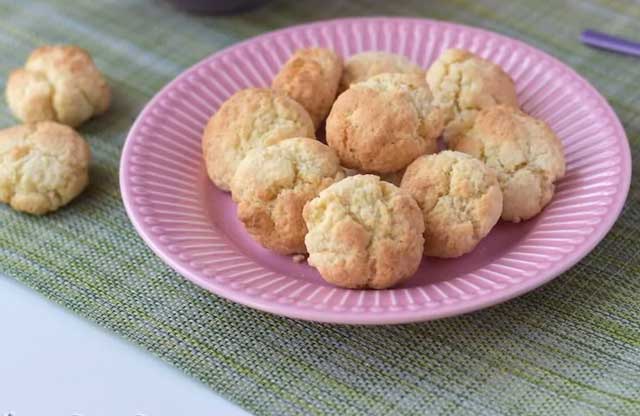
(59, 83)
(272, 185)
(250, 118)
(311, 77)
(464, 83)
(365, 65)
(524, 152)
(460, 199)
(364, 233)
(384, 123)
(43, 166)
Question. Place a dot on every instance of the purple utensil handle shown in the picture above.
(612, 43)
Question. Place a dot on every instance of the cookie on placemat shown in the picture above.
(365, 65)
(43, 166)
(311, 77)
(59, 83)
(524, 152)
(464, 83)
(384, 123)
(251, 118)
(272, 185)
(364, 233)
(460, 199)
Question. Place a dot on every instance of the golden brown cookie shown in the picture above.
(43, 166)
(59, 83)
(364, 233)
(464, 83)
(460, 199)
(272, 184)
(251, 118)
(365, 65)
(524, 152)
(384, 123)
(311, 77)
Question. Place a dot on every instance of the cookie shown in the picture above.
(365, 65)
(384, 123)
(364, 233)
(43, 166)
(464, 84)
(460, 199)
(524, 152)
(272, 184)
(251, 118)
(59, 83)
(311, 77)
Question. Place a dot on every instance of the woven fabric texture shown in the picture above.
(570, 347)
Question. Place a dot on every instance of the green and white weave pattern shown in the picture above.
(571, 347)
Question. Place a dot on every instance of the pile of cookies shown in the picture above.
(368, 204)
(44, 163)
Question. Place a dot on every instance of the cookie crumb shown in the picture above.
(298, 258)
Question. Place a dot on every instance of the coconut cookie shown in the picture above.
(251, 118)
(311, 77)
(524, 152)
(364, 233)
(460, 199)
(464, 83)
(59, 83)
(272, 185)
(365, 65)
(43, 166)
(384, 123)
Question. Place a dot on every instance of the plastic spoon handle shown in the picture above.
(611, 43)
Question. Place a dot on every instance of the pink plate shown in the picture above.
(192, 225)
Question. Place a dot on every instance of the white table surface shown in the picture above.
(55, 363)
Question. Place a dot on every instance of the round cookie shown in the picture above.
(251, 118)
(59, 83)
(464, 83)
(460, 199)
(384, 123)
(311, 77)
(524, 152)
(272, 184)
(364, 233)
(365, 65)
(43, 166)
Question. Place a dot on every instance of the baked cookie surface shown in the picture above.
(43, 166)
(251, 118)
(311, 77)
(364, 233)
(464, 84)
(384, 123)
(59, 83)
(460, 199)
(524, 152)
(365, 65)
(272, 185)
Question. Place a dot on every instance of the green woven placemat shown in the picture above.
(571, 347)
